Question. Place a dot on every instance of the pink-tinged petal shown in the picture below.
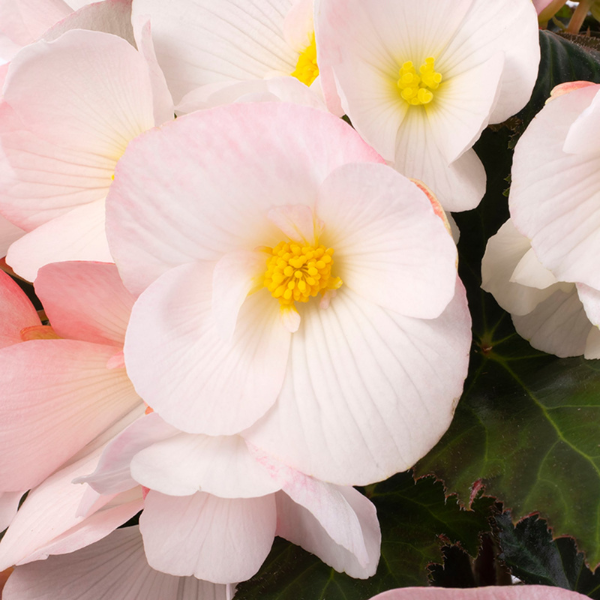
(235, 276)
(366, 43)
(568, 86)
(49, 512)
(284, 89)
(114, 567)
(554, 196)
(241, 176)
(24, 21)
(301, 526)
(16, 312)
(112, 474)
(458, 186)
(462, 106)
(76, 235)
(9, 233)
(592, 345)
(504, 252)
(187, 463)
(61, 146)
(517, 592)
(390, 246)
(298, 222)
(205, 41)
(105, 516)
(584, 133)
(183, 368)
(509, 27)
(9, 503)
(558, 325)
(163, 101)
(368, 392)
(216, 539)
(298, 25)
(109, 16)
(328, 520)
(85, 301)
(72, 399)
(590, 299)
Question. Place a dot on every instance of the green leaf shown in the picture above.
(416, 521)
(528, 424)
(536, 559)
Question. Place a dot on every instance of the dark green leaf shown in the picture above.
(536, 559)
(416, 521)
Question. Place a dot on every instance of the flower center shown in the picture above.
(307, 69)
(295, 273)
(417, 89)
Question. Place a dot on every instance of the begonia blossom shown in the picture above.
(114, 567)
(210, 46)
(214, 505)
(70, 108)
(517, 592)
(81, 388)
(556, 186)
(230, 221)
(556, 317)
(421, 80)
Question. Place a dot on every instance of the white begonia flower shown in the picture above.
(421, 80)
(229, 222)
(557, 317)
(208, 46)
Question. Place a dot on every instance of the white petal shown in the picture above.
(591, 302)
(506, 26)
(186, 372)
(236, 275)
(458, 186)
(503, 253)
(299, 25)
(390, 246)
(592, 346)
(205, 41)
(368, 391)
(302, 527)
(9, 233)
(554, 196)
(188, 463)
(76, 235)
(215, 539)
(112, 474)
(298, 222)
(532, 273)
(114, 567)
(583, 135)
(558, 325)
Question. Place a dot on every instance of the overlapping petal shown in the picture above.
(368, 391)
(114, 567)
(517, 592)
(216, 539)
(16, 312)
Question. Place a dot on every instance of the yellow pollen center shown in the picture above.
(307, 69)
(417, 89)
(295, 273)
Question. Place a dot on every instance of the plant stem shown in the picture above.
(579, 16)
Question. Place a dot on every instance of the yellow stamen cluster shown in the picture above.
(307, 69)
(413, 87)
(295, 273)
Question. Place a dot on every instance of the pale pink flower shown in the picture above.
(555, 190)
(348, 394)
(557, 317)
(517, 592)
(214, 505)
(64, 385)
(421, 80)
(114, 567)
(70, 108)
